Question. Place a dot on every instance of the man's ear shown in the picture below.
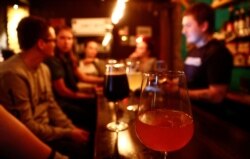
(40, 44)
(204, 26)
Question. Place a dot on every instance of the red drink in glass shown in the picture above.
(164, 130)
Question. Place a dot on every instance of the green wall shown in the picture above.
(222, 15)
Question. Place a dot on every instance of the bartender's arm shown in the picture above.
(213, 94)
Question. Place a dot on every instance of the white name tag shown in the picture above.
(193, 61)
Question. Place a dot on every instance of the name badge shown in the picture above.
(193, 61)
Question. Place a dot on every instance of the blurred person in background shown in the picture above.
(208, 65)
(64, 66)
(26, 92)
(144, 49)
(91, 66)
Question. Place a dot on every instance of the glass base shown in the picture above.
(117, 126)
(133, 107)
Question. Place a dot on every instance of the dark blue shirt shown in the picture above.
(210, 64)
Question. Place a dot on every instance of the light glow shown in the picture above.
(15, 6)
(13, 18)
(139, 39)
(125, 145)
(124, 38)
(107, 38)
(118, 11)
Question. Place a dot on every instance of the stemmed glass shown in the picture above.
(116, 89)
(134, 81)
(164, 121)
(160, 66)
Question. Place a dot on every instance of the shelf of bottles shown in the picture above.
(237, 35)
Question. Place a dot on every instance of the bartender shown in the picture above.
(208, 65)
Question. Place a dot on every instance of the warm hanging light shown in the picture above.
(139, 39)
(14, 14)
(107, 38)
(118, 11)
(15, 6)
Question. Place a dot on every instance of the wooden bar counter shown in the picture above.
(214, 138)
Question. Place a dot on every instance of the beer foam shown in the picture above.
(115, 69)
(115, 73)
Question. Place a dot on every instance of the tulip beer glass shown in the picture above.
(116, 89)
(164, 121)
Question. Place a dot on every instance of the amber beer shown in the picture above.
(174, 129)
(116, 86)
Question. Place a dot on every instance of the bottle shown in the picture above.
(239, 59)
(236, 22)
(241, 23)
(229, 28)
(247, 22)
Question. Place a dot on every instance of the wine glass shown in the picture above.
(164, 121)
(160, 66)
(116, 89)
(134, 81)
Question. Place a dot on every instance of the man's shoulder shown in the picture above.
(44, 67)
(217, 48)
(217, 45)
(14, 64)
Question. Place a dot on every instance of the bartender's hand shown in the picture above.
(79, 135)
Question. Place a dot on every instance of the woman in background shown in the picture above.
(142, 53)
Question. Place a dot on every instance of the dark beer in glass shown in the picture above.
(116, 89)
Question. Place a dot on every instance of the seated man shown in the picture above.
(78, 105)
(25, 90)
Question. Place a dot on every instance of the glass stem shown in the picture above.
(116, 112)
(132, 97)
(165, 155)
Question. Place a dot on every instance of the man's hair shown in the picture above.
(202, 12)
(62, 28)
(30, 30)
(89, 41)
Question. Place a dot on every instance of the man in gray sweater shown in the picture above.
(25, 90)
